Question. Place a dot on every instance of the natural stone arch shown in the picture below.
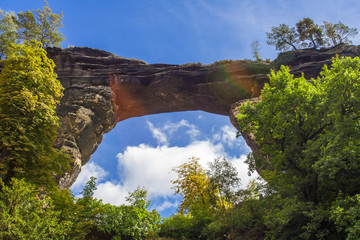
(101, 89)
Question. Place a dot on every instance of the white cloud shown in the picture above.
(192, 131)
(166, 205)
(227, 137)
(242, 170)
(87, 171)
(157, 134)
(151, 167)
(113, 193)
(164, 133)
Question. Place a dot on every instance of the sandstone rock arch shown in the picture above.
(101, 89)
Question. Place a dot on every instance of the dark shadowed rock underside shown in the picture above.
(101, 89)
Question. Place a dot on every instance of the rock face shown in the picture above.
(101, 89)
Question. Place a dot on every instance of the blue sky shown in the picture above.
(142, 151)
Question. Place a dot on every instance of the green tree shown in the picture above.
(345, 212)
(244, 220)
(255, 47)
(309, 33)
(224, 181)
(105, 221)
(71, 213)
(337, 33)
(90, 187)
(179, 226)
(137, 221)
(25, 215)
(41, 25)
(8, 31)
(192, 185)
(283, 37)
(308, 133)
(29, 94)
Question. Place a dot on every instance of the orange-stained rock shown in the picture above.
(101, 89)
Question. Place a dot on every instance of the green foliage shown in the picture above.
(345, 212)
(138, 222)
(41, 25)
(224, 181)
(193, 185)
(255, 47)
(244, 220)
(178, 226)
(206, 195)
(29, 94)
(24, 215)
(283, 37)
(89, 188)
(296, 118)
(105, 221)
(338, 33)
(291, 102)
(70, 212)
(8, 31)
(309, 138)
(308, 34)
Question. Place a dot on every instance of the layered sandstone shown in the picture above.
(101, 89)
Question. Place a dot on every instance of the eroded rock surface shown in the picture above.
(101, 89)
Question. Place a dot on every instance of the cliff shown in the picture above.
(101, 89)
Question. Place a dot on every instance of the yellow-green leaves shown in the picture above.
(29, 93)
(206, 191)
(193, 185)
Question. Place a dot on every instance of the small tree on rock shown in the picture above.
(283, 38)
(309, 33)
(337, 33)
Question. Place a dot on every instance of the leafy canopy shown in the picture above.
(338, 33)
(308, 34)
(309, 138)
(283, 37)
(193, 185)
(24, 215)
(41, 25)
(29, 94)
(107, 221)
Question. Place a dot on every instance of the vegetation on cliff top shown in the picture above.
(307, 34)
(31, 205)
(41, 25)
(308, 133)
